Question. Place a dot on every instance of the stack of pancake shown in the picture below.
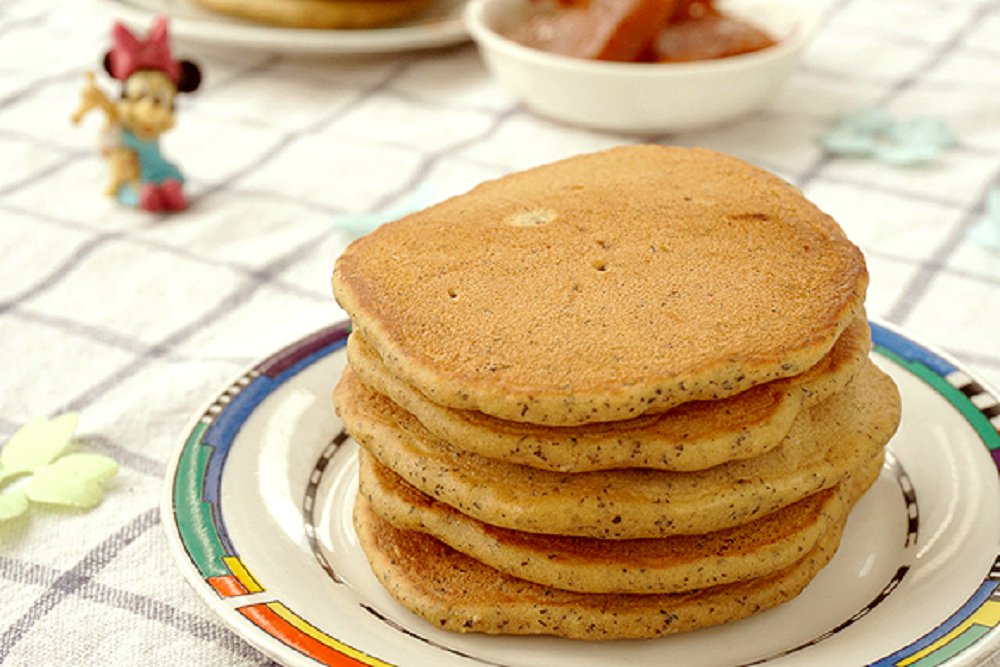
(623, 395)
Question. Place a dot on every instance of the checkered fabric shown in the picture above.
(135, 320)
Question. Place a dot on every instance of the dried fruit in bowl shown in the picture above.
(639, 31)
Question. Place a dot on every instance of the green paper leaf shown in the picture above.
(37, 443)
(12, 504)
(75, 480)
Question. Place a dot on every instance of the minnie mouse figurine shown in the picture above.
(151, 79)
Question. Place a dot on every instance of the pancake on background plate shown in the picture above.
(319, 14)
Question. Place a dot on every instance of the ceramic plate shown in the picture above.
(440, 25)
(259, 498)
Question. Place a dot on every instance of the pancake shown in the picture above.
(455, 592)
(604, 286)
(587, 565)
(693, 436)
(824, 445)
(319, 14)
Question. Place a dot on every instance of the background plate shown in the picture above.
(440, 25)
(259, 496)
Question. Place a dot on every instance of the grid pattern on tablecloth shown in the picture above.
(135, 320)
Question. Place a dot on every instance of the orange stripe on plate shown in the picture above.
(272, 618)
(227, 586)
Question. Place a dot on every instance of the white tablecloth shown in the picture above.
(134, 320)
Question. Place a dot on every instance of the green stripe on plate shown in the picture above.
(193, 515)
(973, 634)
(972, 414)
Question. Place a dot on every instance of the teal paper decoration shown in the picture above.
(987, 232)
(873, 133)
(359, 224)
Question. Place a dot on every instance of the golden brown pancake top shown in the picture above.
(605, 286)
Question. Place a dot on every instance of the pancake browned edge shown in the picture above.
(825, 444)
(319, 14)
(455, 592)
(604, 286)
(692, 436)
(587, 565)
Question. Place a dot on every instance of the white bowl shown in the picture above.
(642, 97)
